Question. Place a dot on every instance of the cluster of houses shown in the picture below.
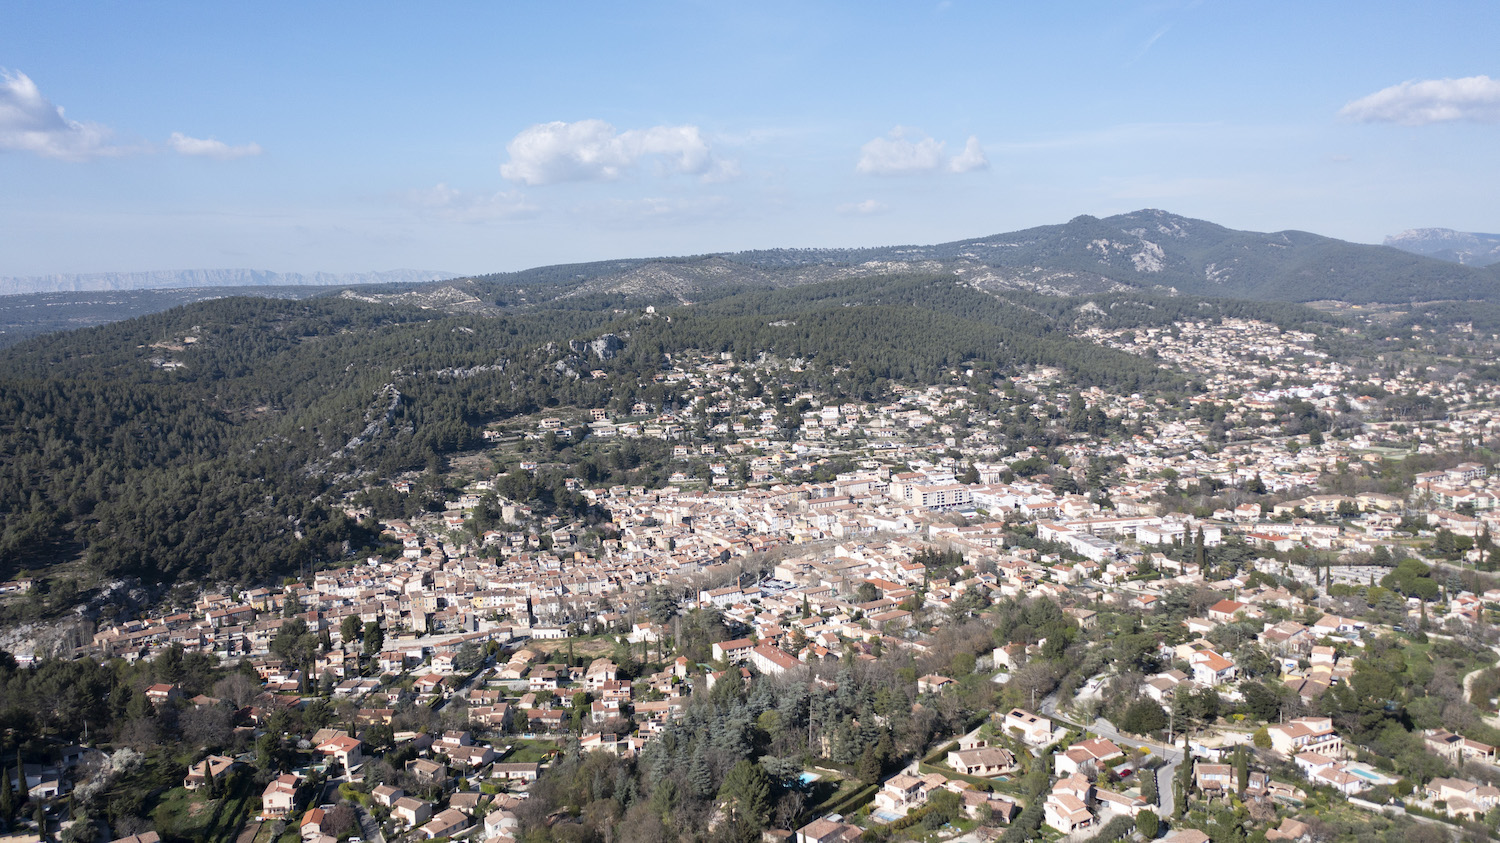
(847, 580)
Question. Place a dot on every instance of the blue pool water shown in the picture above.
(1367, 776)
(808, 778)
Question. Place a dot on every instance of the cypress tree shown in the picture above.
(7, 800)
(869, 767)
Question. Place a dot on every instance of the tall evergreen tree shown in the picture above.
(700, 775)
(374, 638)
(7, 800)
(746, 796)
(349, 629)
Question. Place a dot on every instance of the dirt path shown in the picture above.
(252, 828)
(1484, 713)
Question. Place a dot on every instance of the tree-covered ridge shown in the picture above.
(1152, 249)
(215, 457)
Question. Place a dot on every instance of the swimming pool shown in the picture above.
(1366, 774)
(808, 778)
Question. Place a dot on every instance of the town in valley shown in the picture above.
(1262, 611)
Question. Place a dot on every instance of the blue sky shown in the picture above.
(481, 137)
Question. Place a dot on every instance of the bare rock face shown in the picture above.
(606, 347)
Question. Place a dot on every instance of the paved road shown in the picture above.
(1165, 775)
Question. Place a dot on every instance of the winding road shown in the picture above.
(1165, 775)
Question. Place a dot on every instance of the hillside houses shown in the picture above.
(809, 556)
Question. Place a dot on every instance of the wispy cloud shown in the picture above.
(865, 208)
(1419, 103)
(1146, 47)
(905, 152)
(592, 150)
(210, 148)
(29, 122)
(448, 203)
(654, 210)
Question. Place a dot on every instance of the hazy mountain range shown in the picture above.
(1149, 251)
(186, 278)
(1465, 247)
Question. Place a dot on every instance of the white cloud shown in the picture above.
(899, 154)
(592, 150)
(30, 123)
(210, 148)
(1474, 98)
(910, 152)
(451, 204)
(972, 158)
(869, 206)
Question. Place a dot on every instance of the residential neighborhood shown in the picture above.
(1200, 620)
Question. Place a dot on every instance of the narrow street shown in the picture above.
(1164, 775)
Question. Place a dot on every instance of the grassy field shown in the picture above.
(183, 815)
(526, 752)
(592, 646)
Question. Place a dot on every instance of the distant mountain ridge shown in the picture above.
(1143, 251)
(1470, 248)
(187, 278)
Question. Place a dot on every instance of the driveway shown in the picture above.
(367, 825)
